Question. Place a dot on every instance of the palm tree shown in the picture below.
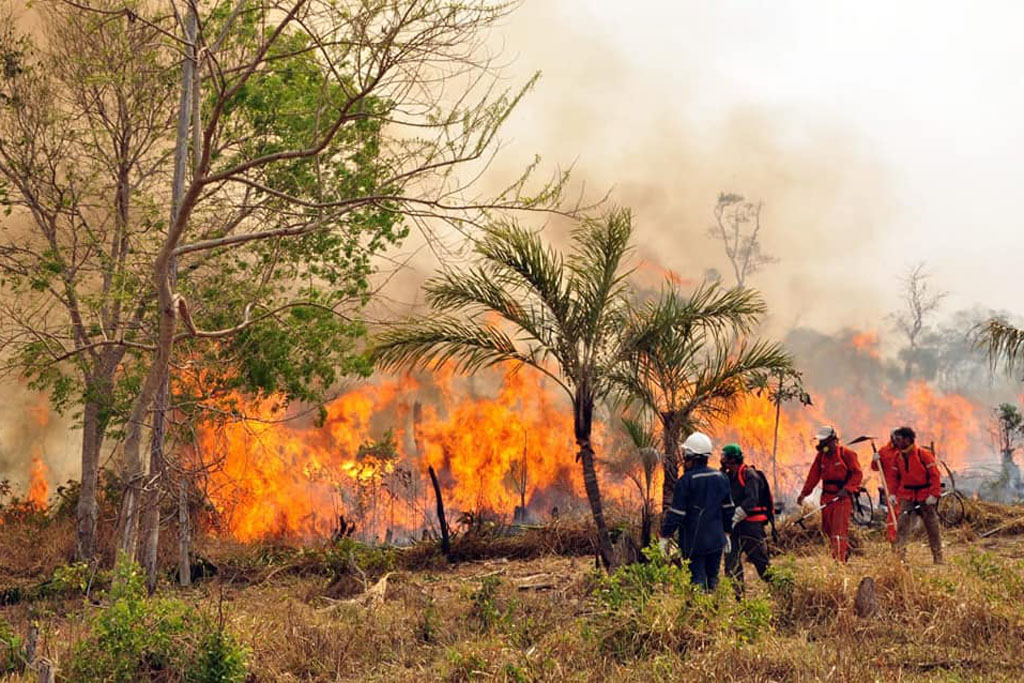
(1001, 341)
(638, 462)
(688, 361)
(526, 303)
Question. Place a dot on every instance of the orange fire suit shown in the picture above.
(919, 477)
(837, 468)
(887, 458)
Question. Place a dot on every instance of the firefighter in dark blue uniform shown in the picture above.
(753, 511)
(701, 513)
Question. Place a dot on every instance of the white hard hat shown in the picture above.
(824, 433)
(697, 444)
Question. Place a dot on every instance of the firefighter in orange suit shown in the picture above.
(919, 487)
(836, 467)
(884, 461)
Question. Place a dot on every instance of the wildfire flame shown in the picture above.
(866, 343)
(38, 488)
(949, 421)
(492, 450)
(502, 440)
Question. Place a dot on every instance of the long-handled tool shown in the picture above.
(890, 512)
(800, 520)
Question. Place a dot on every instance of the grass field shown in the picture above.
(352, 613)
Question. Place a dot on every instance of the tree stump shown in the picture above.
(30, 644)
(625, 550)
(45, 670)
(866, 603)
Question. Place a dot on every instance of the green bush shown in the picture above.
(651, 608)
(484, 609)
(10, 648)
(220, 660)
(136, 637)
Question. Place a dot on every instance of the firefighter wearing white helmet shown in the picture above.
(700, 514)
(697, 445)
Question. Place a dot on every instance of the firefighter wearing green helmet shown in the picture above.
(754, 509)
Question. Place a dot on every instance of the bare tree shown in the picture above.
(738, 227)
(920, 302)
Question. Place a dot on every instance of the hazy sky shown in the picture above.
(877, 134)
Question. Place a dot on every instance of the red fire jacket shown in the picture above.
(836, 468)
(918, 474)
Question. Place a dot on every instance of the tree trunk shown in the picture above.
(604, 541)
(87, 512)
(161, 400)
(153, 492)
(583, 422)
(184, 537)
(163, 274)
(671, 423)
(446, 547)
(133, 474)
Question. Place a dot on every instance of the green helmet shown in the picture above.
(733, 452)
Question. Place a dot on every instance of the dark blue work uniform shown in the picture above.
(701, 513)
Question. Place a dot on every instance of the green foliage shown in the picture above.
(651, 607)
(485, 609)
(11, 657)
(781, 586)
(689, 357)
(463, 668)
(1001, 341)
(221, 659)
(635, 584)
(752, 618)
(428, 625)
(69, 578)
(136, 637)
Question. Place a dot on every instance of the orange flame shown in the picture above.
(949, 421)
(866, 343)
(500, 439)
(38, 488)
(293, 478)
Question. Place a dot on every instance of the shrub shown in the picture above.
(10, 648)
(651, 608)
(136, 637)
(485, 610)
(220, 659)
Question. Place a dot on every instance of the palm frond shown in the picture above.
(718, 310)
(469, 346)
(520, 260)
(640, 432)
(598, 280)
(1001, 341)
(476, 290)
(729, 374)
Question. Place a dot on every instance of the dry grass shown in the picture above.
(540, 619)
